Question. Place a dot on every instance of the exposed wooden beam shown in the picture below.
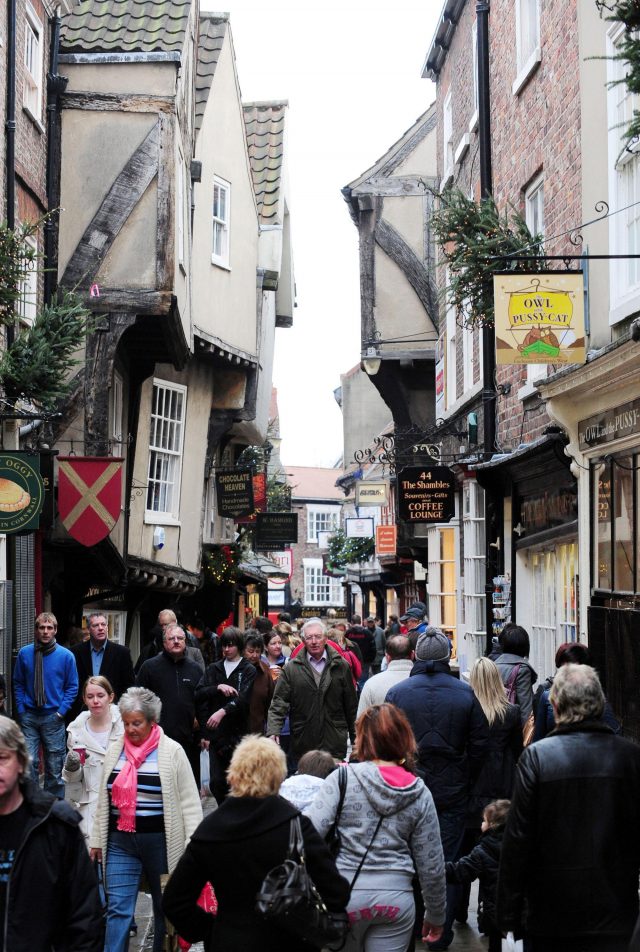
(117, 102)
(123, 196)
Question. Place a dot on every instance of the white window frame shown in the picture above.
(169, 456)
(447, 139)
(534, 216)
(316, 510)
(116, 411)
(473, 124)
(221, 223)
(33, 43)
(450, 360)
(28, 300)
(320, 589)
(218, 530)
(528, 49)
(624, 168)
(180, 211)
(467, 333)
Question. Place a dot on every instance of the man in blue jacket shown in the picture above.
(45, 681)
(452, 733)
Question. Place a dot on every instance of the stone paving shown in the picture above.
(466, 939)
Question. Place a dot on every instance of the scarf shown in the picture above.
(124, 791)
(39, 693)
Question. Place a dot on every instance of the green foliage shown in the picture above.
(470, 235)
(344, 551)
(628, 51)
(278, 495)
(36, 364)
(221, 563)
(17, 258)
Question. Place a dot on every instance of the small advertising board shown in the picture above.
(426, 494)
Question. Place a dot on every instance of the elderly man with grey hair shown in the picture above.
(48, 890)
(571, 848)
(316, 690)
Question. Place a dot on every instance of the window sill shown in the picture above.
(462, 149)
(527, 71)
(219, 263)
(34, 119)
(447, 178)
(473, 122)
(627, 307)
(462, 401)
(529, 389)
(160, 519)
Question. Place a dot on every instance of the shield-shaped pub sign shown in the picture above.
(89, 496)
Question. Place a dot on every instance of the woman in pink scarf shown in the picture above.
(148, 807)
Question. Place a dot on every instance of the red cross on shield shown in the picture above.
(89, 496)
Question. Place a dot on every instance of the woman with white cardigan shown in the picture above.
(88, 739)
(148, 807)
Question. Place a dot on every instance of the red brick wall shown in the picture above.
(31, 137)
(537, 130)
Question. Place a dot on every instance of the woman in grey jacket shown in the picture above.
(389, 813)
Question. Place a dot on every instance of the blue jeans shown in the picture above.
(451, 834)
(128, 854)
(43, 727)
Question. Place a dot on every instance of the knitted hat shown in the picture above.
(417, 610)
(433, 645)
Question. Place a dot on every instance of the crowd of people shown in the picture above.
(407, 783)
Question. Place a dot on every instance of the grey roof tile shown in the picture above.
(213, 29)
(264, 122)
(125, 26)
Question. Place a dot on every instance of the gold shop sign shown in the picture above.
(369, 493)
(539, 318)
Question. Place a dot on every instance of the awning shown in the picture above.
(261, 568)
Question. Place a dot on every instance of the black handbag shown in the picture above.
(289, 900)
(333, 838)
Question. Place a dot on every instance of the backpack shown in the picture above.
(510, 686)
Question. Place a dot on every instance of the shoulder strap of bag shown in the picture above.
(342, 786)
(366, 853)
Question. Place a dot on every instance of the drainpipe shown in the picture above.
(10, 124)
(492, 501)
(56, 85)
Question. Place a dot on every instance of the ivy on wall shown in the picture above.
(345, 551)
(475, 239)
(628, 51)
(35, 366)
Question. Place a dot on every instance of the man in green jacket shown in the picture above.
(316, 690)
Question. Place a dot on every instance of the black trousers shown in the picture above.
(603, 943)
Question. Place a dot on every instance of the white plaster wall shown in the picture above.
(224, 300)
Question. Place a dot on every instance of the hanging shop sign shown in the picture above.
(370, 493)
(22, 492)
(539, 318)
(275, 530)
(358, 528)
(546, 510)
(234, 492)
(259, 482)
(386, 540)
(426, 494)
(285, 560)
(89, 496)
(610, 425)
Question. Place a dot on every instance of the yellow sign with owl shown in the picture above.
(539, 318)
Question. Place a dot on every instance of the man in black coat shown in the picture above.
(48, 890)
(174, 677)
(452, 734)
(366, 642)
(101, 656)
(571, 849)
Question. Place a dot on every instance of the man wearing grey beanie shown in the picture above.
(452, 734)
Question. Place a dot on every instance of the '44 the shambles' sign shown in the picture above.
(426, 494)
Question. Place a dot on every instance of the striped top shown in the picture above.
(149, 806)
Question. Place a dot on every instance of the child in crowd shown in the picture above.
(313, 767)
(482, 863)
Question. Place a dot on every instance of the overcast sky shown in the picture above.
(351, 73)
